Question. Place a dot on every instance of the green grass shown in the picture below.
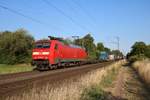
(109, 78)
(4, 69)
(96, 92)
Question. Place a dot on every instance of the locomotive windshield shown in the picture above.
(42, 45)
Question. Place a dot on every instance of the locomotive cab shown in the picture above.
(41, 53)
(46, 54)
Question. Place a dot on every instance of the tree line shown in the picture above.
(93, 49)
(139, 51)
(16, 47)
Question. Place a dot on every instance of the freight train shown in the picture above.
(53, 53)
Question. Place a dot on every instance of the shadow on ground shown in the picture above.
(135, 86)
(109, 96)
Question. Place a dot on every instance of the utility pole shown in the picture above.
(75, 38)
(118, 45)
(118, 42)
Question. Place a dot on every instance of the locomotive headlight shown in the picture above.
(35, 53)
(45, 53)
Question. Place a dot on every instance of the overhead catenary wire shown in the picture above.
(84, 11)
(64, 14)
(74, 11)
(25, 16)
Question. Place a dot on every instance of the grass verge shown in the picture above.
(143, 69)
(110, 77)
(72, 89)
(93, 93)
(96, 91)
(5, 69)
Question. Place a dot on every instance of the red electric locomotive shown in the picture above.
(53, 53)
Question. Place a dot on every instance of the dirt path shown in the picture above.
(128, 86)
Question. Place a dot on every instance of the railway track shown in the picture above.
(12, 84)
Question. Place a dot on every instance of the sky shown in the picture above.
(103, 19)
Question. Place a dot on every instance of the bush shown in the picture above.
(139, 51)
(15, 47)
(134, 58)
(93, 93)
(147, 53)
